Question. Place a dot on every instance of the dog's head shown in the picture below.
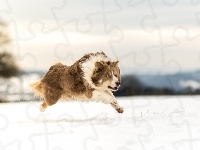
(107, 75)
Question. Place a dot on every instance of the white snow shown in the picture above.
(18, 88)
(190, 83)
(148, 123)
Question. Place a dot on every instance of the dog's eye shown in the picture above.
(115, 75)
(99, 70)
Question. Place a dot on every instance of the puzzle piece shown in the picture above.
(166, 61)
(5, 7)
(4, 122)
(16, 144)
(64, 30)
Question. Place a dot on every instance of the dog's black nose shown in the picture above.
(117, 83)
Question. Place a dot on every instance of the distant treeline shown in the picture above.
(131, 85)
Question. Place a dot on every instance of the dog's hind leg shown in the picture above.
(51, 97)
(43, 106)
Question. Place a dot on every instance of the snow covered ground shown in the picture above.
(148, 123)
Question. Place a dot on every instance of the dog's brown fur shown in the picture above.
(68, 82)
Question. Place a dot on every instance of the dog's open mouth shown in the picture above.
(113, 88)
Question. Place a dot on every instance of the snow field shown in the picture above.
(148, 123)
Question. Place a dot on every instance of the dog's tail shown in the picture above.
(37, 88)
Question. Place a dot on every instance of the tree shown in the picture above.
(8, 66)
(130, 85)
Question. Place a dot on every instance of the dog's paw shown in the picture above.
(42, 109)
(120, 110)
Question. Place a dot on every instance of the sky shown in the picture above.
(145, 35)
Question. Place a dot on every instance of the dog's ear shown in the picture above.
(108, 63)
(115, 63)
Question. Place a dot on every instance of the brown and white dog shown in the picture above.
(93, 77)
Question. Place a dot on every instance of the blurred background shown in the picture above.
(156, 42)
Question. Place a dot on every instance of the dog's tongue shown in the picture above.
(114, 89)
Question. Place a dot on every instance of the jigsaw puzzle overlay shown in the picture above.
(144, 35)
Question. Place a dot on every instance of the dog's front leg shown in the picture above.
(114, 103)
(117, 107)
(108, 98)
